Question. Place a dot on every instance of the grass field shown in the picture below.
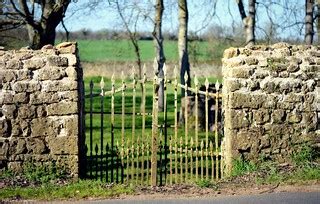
(122, 51)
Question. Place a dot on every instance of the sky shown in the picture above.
(98, 14)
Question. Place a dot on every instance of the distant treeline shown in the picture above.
(15, 39)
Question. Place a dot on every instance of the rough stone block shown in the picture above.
(58, 61)
(62, 85)
(6, 97)
(230, 53)
(23, 86)
(21, 98)
(233, 62)
(23, 74)
(68, 96)
(36, 146)
(21, 147)
(14, 64)
(239, 72)
(9, 111)
(62, 108)
(7, 76)
(237, 119)
(51, 73)
(26, 111)
(41, 111)
(5, 128)
(72, 59)
(65, 126)
(278, 116)
(67, 47)
(37, 127)
(232, 85)
(34, 63)
(43, 98)
(71, 73)
(245, 100)
(294, 117)
(261, 116)
(63, 145)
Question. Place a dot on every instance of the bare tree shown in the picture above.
(158, 40)
(183, 43)
(309, 22)
(249, 20)
(132, 32)
(41, 18)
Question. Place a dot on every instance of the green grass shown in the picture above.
(305, 167)
(123, 51)
(76, 190)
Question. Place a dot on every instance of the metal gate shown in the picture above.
(129, 140)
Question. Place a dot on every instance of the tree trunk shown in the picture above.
(309, 22)
(249, 21)
(183, 44)
(43, 32)
(158, 40)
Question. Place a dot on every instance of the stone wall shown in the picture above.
(40, 107)
(270, 100)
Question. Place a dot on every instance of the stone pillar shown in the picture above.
(270, 101)
(40, 96)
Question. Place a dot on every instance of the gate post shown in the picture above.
(154, 148)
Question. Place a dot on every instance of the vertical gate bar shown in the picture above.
(196, 83)
(132, 162)
(143, 120)
(176, 161)
(222, 159)
(207, 125)
(97, 160)
(181, 160)
(197, 163)
(186, 162)
(112, 126)
(175, 106)
(128, 160)
(165, 122)
(148, 160)
(212, 161)
(107, 160)
(186, 107)
(217, 85)
(101, 120)
(144, 102)
(117, 161)
(207, 161)
(91, 127)
(170, 162)
(191, 158)
(154, 133)
(123, 109)
(122, 123)
(201, 153)
(137, 160)
(133, 105)
(142, 163)
(122, 163)
(161, 161)
(207, 112)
